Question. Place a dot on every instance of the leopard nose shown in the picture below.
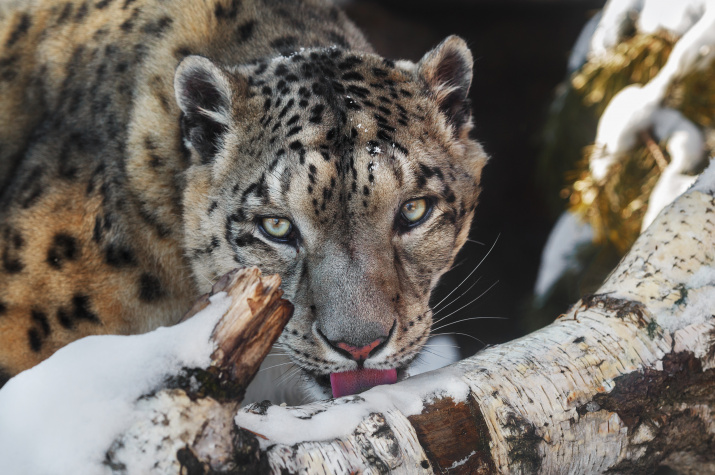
(358, 353)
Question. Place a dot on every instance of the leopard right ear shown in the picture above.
(204, 94)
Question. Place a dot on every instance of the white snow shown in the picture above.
(327, 420)
(616, 19)
(559, 255)
(629, 112)
(677, 17)
(685, 144)
(63, 414)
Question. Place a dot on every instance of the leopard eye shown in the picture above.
(279, 228)
(414, 210)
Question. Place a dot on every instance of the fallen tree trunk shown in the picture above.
(623, 382)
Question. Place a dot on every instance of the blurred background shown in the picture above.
(521, 50)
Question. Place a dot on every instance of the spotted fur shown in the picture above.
(141, 141)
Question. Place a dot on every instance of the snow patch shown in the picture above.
(685, 144)
(323, 421)
(616, 20)
(63, 414)
(677, 17)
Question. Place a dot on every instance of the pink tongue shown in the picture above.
(353, 382)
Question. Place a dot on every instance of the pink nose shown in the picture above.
(359, 353)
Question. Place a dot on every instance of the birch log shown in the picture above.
(622, 383)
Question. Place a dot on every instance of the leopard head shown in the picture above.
(351, 176)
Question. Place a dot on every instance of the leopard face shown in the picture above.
(351, 176)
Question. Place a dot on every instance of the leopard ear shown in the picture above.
(203, 92)
(448, 72)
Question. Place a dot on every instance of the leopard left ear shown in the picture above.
(448, 72)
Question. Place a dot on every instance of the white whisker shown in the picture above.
(468, 319)
(463, 334)
(460, 296)
(470, 274)
(274, 366)
(467, 304)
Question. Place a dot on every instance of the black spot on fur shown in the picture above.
(102, 4)
(63, 248)
(403, 150)
(293, 119)
(349, 63)
(65, 13)
(150, 288)
(81, 12)
(3, 308)
(353, 76)
(286, 108)
(12, 264)
(245, 31)
(319, 89)
(35, 340)
(294, 131)
(158, 27)
(382, 135)
(243, 240)
(119, 256)
(80, 310)
(285, 45)
(40, 318)
(227, 13)
(4, 377)
(20, 30)
(316, 114)
(338, 39)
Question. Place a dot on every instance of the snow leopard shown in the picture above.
(147, 147)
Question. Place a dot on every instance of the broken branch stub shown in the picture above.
(243, 336)
(254, 321)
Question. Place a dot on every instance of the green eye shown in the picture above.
(278, 228)
(414, 210)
